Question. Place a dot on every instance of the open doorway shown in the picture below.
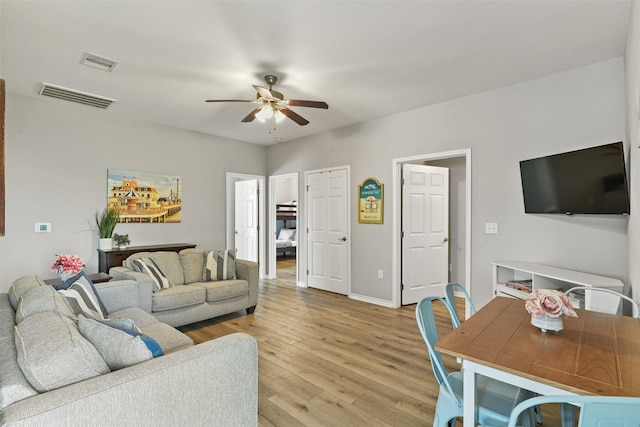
(459, 164)
(283, 227)
(245, 230)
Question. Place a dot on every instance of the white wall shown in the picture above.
(57, 156)
(632, 82)
(564, 111)
(286, 189)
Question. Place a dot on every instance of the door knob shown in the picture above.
(343, 239)
(445, 240)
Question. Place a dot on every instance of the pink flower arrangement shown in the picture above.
(549, 302)
(70, 264)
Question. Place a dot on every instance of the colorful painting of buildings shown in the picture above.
(145, 197)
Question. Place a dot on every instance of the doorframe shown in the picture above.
(272, 255)
(231, 178)
(303, 215)
(396, 244)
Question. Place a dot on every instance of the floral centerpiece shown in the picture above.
(67, 265)
(547, 308)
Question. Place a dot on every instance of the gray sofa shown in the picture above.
(213, 383)
(190, 297)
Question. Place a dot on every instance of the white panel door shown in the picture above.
(327, 238)
(425, 228)
(246, 219)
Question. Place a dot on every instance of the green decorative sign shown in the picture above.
(370, 201)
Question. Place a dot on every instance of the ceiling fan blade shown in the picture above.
(264, 93)
(251, 116)
(313, 104)
(294, 116)
(228, 100)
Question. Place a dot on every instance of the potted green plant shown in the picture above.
(121, 240)
(106, 222)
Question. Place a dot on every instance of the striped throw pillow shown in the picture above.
(82, 296)
(220, 265)
(149, 267)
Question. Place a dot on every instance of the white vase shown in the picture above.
(547, 323)
(105, 243)
(63, 276)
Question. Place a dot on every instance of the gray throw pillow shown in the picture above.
(192, 264)
(118, 341)
(52, 353)
(40, 300)
(21, 286)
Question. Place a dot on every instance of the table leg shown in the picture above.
(469, 396)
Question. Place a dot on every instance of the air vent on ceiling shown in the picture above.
(76, 96)
(99, 62)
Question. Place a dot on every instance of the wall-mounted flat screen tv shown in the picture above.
(588, 181)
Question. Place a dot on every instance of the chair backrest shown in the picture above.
(427, 325)
(449, 290)
(596, 411)
(607, 301)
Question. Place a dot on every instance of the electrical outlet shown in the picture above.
(491, 228)
(380, 274)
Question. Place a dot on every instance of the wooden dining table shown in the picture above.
(595, 353)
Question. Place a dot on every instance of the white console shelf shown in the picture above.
(546, 277)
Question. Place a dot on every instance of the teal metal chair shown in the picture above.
(595, 411)
(495, 400)
(607, 301)
(450, 290)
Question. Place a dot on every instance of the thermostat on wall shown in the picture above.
(43, 227)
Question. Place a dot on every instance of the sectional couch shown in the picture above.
(55, 373)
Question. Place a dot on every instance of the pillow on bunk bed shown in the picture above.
(287, 234)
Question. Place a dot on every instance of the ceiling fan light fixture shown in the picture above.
(265, 113)
(272, 103)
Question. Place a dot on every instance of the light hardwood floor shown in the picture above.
(326, 360)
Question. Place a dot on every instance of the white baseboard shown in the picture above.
(376, 301)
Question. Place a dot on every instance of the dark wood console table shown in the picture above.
(108, 258)
(95, 278)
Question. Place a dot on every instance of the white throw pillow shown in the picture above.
(287, 234)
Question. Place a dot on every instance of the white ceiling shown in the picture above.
(366, 59)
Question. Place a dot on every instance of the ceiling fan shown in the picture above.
(272, 104)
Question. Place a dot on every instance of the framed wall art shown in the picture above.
(144, 197)
(2, 188)
(370, 201)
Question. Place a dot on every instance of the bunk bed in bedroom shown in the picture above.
(287, 239)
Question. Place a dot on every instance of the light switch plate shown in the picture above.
(491, 228)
